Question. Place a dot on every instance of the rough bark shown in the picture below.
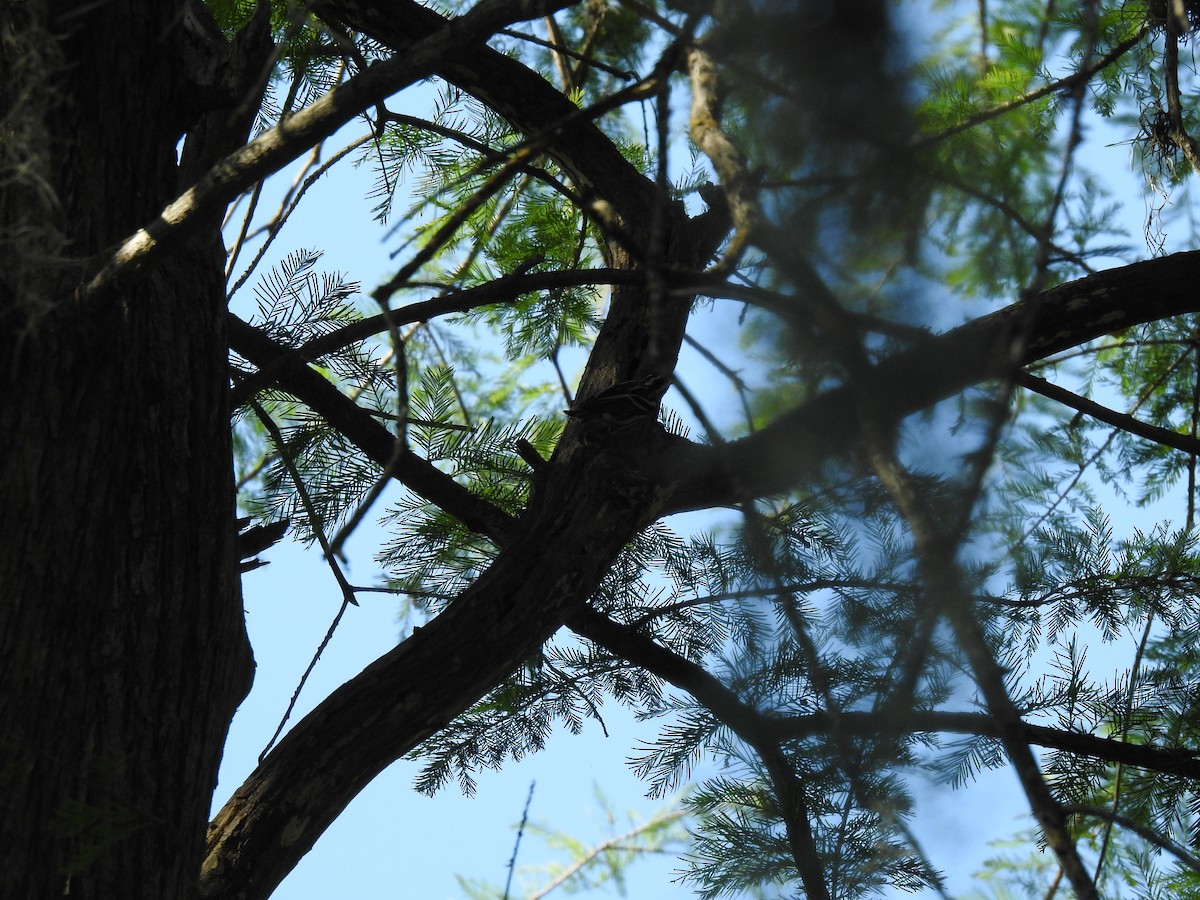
(122, 647)
(121, 637)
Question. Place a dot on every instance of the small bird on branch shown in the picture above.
(623, 404)
(255, 540)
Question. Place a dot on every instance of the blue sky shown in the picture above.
(393, 842)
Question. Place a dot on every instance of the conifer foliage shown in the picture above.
(861, 280)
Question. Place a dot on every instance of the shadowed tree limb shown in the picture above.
(1171, 761)
(573, 529)
(765, 731)
(382, 713)
(293, 374)
(745, 721)
(776, 457)
(1125, 422)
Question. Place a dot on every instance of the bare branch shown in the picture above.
(293, 374)
(1155, 433)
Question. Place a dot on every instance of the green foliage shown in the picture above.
(582, 867)
(925, 187)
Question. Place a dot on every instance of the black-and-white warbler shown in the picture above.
(256, 539)
(622, 404)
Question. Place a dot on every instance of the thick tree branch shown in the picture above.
(579, 520)
(554, 562)
(517, 93)
(586, 505)
(775, 458)
(559, 554)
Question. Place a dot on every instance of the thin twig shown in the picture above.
(558, 48)
(1147, 392)
(310, 510)
(1126, 719)
(1141, 830)
(346, 588)
(512, 862)
(275, 226)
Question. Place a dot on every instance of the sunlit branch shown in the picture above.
(617, 843)
(297, 133)
(595, 13)
(727, 159)
(558, 45)
(1178, 132)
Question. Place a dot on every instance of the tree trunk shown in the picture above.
(122, 647)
